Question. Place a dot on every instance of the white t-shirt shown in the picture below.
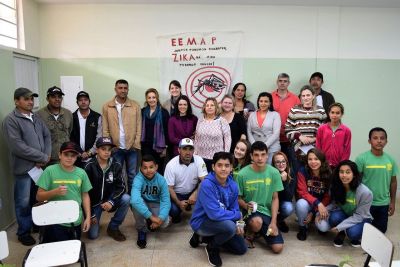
(320, 102)
(122, 144)
(82, 130)
(184, 178)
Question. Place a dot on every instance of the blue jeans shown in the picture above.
(286, 208)
(23, 207)
(129, 157)
(120, 207)
(175, 211)
(354, 232)
(381, 216)
(224, 235)
(302, 210)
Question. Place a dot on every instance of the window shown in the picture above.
(10, 20)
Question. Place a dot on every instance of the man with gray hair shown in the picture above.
(29, 142)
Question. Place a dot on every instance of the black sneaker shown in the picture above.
(355, 243)
(213, 256)
(302, 234)
(194, 240)
(283, 227)
(338, 241)
(27, 240)
(141, 240)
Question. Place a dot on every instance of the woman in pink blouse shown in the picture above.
(212, 133)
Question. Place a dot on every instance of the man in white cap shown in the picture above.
(183, 174)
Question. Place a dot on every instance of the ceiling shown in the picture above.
(341, 3)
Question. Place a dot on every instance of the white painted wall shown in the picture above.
(109, 31)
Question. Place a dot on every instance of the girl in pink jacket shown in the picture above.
(333, 137)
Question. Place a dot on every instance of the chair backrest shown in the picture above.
(3, 245)
(55, 212)
(377, 245)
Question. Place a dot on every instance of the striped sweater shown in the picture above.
(303, 121)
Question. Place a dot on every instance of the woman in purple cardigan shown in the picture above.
(182, 124)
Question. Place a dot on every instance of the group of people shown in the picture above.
(238, 166)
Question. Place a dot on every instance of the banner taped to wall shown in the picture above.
(206, 64)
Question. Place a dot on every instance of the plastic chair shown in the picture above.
(56, 253)
(377, 246)
(4, 251)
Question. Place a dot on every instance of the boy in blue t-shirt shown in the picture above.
(379, 172)
(150, 200)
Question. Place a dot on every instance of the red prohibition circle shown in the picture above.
(220, 72)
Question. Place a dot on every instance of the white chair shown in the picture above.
(56, 253)
(377, 246)
(3, 246)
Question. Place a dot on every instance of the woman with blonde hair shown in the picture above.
(212, 133)
(237, 123)
(286, 207)
(154, 129)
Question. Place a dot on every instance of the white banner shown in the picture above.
(206, 64)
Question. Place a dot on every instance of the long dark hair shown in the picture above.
(271, 103)
(325, 173)
(236, 87)
(338, 191)
(189, 112)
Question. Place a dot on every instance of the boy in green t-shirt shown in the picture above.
(259, 183)
(64, 181)
(379, 171)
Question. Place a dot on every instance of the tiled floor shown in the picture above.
(171, 248)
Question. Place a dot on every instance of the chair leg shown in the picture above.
(83, 256)
(366, 263)
(26, 257)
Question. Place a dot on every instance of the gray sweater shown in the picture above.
(363, 204)
(29, 142)
(269, 131)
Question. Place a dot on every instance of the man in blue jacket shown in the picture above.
(29, 142)
(217, 210)
(149, 199)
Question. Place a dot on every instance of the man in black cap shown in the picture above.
(86, 128)
(29, 142)
(324, 98)
(57, 119)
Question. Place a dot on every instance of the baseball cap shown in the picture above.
(186, 142)
(25, 92)
(54, 90)
(104, 141)
(70, 147)
(82, 93)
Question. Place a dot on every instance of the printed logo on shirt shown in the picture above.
(268, 181)
(351, 200)
(110, 178)
(221, 205)
(389, 167)
(150, 190)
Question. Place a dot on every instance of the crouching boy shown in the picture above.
(64, 181)
(216, 212)
(108, 192)
(149, 199)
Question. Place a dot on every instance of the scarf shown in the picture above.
(159, 137)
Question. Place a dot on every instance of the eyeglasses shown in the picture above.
(280, 162)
